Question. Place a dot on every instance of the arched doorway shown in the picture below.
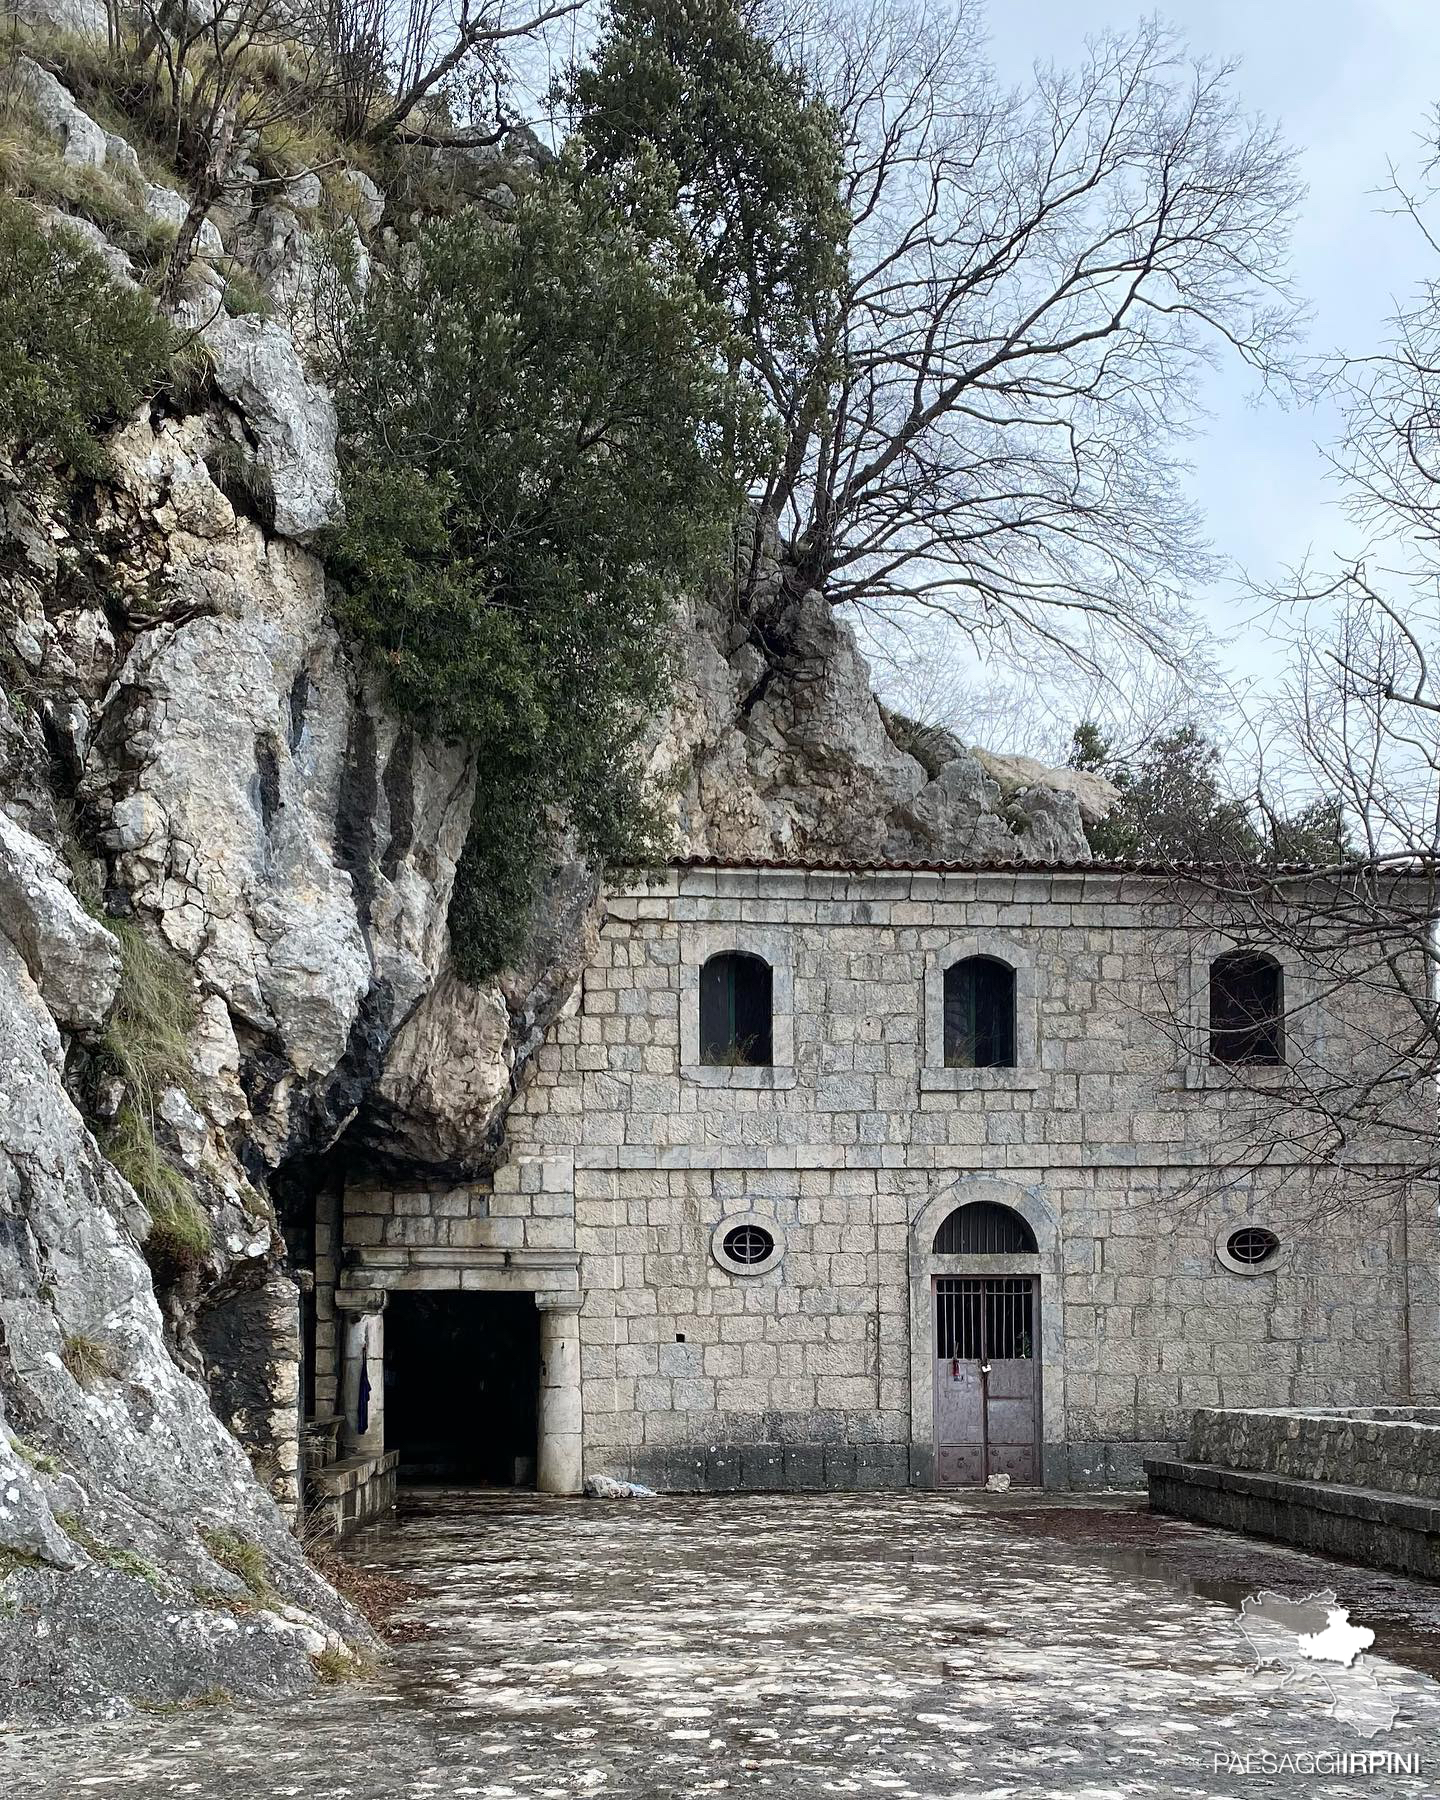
(983, 1330)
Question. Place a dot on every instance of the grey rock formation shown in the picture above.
(123, 1500)
(84, 18)
(449, 1076)
(784, 751)
(286, 838)
(122, 270)
(72, 959)
(82, 140)
(1016, 775)
(366, 198)
(291, 416)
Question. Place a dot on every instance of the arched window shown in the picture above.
(980, 1014)
(1247, 1008)
(984, 1228)
(735, 1011)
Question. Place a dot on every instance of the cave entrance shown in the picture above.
(462, 1387)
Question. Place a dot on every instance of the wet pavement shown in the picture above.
(915, 1646)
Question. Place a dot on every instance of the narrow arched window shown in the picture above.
(735, 1010)
(984, 1228)
(1247, 1008)
(980, 1014)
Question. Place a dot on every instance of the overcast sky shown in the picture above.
(1351, 81)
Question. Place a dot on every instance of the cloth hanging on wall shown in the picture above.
(362, 1393)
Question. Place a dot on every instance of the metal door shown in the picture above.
(987, 1379)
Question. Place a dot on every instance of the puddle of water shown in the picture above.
(1397, 1639)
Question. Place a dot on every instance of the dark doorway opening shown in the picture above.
(462, 1387)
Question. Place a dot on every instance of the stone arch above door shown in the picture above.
(1030, 1203)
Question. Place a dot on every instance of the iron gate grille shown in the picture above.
(984, 1318)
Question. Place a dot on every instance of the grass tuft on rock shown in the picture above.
(39, 1460)
(244, 1558)
(87, 1359)
(337, 1663)
(147, 1045)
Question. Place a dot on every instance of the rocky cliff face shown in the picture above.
(187, 742)
(142, 1561)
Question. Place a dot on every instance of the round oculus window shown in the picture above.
(748, 1244)
(1252, 1245)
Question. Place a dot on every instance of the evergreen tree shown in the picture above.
(1175, 807)
(541, 446)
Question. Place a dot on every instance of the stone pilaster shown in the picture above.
(560, 1469)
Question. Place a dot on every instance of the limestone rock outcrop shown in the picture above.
(283, 835)
(143, 1562)
(291, 416)
(786, 752)
(72, 959)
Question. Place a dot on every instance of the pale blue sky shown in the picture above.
(1351, 81)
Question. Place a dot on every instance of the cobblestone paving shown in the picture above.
(904, 1646)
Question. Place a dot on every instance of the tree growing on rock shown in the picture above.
(1005, 304)
(543, 443)
(1177, 806)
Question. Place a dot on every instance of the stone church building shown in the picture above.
(878, 1177)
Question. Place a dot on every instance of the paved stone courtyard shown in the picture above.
(894, 1645)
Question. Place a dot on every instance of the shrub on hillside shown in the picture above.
(77, 353)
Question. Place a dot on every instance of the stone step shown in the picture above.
(1364, 1525)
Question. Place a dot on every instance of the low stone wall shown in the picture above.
(1382, 1531)
(350, 1493)
(1357, 1482)
(1395, 1450)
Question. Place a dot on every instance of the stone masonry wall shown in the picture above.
(1395, 1450)
(626, 1155)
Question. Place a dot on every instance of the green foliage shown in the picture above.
(243, 1557)
(747, 156)
(1175, 807)
(541, 445)
(146, 1044)
(243, 293)
(76, 352)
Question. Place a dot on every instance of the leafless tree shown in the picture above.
(394, 59)
(1037, 281)
(1031, 702)
(1358, 723)
(214, 75)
